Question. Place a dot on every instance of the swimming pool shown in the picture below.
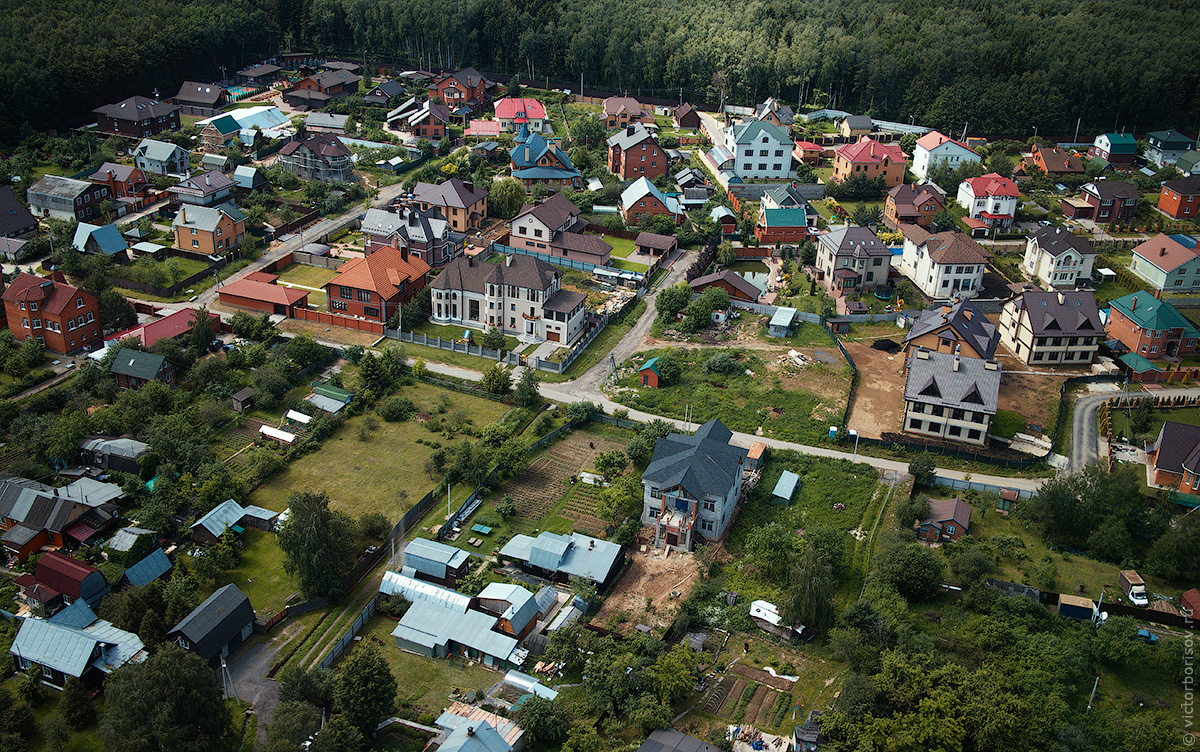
(242, 90)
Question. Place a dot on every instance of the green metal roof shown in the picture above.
(1149, 312)
(1138, 364)
(785, 217)
(652, 365)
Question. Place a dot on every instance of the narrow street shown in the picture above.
(1084, 440)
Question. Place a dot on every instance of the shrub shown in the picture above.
(721, 363)
(396, 409)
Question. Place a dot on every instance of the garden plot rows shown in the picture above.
(541, 486)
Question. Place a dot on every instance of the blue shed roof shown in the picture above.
(786, 486)
(149, 569)
(522, 605)
(226, 514)
(433, 558)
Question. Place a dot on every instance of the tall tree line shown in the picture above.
(1002, 67)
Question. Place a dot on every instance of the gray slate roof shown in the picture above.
(853, 240)
(1057, 241)
(554, 211)
(467, 273)
(123, 539)
(1061, 314)
(157, 151)
(206, 217)
(934, 380)
(216, 621)
(704, 464)
(136, 364)
(966, 323)
(522, 604)
(670, 740)
(14, 217)
(576, 554)
(453, 193)
(629, 136)
(431, 624)
(433, 558)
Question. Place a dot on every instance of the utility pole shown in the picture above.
(1077, 122)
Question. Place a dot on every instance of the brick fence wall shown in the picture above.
(334, 319)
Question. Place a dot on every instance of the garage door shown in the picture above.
(552, 336)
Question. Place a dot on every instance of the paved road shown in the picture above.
(248, 667)
(1084, 441)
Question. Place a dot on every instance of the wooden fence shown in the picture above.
(336, 319)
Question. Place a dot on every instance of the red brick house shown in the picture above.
(948, 520)
(1152, 330)
(257, 291)
(1174, 458)
(622, 111)
(633, 153)
(1190, 601)
(912, 205)
(1180, 199)
(65, 318)
(126, 184)
(465, 88)
(1056, 162)
(871, 159)
(376, 286)
(332, 83)
(648, 373)
(643, 197)
(1111, 200)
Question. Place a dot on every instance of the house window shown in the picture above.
(521, 230)
(656, 493)
(973, 434)
(195, 243)
(915, 424)
(37, 323)
(90, 317)
(762, 167)
(706, 526)
(710, 505)
(371, 312)
(345, 293)
(33, 306)
(364, 296)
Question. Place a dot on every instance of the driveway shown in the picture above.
(1084, 440)
(249, 665)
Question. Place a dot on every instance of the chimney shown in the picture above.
(1157, 294)
(1061, 299)
(470, 261)
(404, 253)
(629, 130)
(412, 218)
(469, 185)
(508, 260)
(957, 362)
(207, 180)
(470, 731)
(1133, 303)
(182, 215)
(526, 153)
(1162, 251)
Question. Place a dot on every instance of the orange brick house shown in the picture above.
(1173, 459)
(871, 159)
(642, 198)
(65, 318)
(633, 153)
(209, 229)
(1180, 199)
(374, 287)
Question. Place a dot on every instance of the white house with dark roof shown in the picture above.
(950, 397)
(522, 296)
(944, 265)
(160, 157)
(692, 486)
(757, 150)
(853, 258)
(207, 189)
(1164, 148)
(553, 226)
(1058, 328)
(1057, 257)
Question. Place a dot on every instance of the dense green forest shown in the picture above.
(1002, 66)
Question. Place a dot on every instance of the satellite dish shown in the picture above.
(1103, 616)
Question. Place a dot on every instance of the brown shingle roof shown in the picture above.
(324, 145)
(553, 211)
(945, 510)
(655, 241)
(955, 248)
(454, 193)
(577, 241)
(1057, 160)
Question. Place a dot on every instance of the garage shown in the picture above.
(553, 336)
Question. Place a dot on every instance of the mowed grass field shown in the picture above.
(308, 276)
(260, 575)
(385, 473)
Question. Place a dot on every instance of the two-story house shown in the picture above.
(908, 204)
(1114, 148)
(692, 486)
(137, 117)
(15, 219)
(758, 150)
(384, 93)
(209, 229)
(634, 153)
(1043, 328)
(553, 226)
(127, 185)
(134, 369)
(1148, 327)
(512, 112)
(64, 318)
(852, 258)
(536, 160)
(643, 198)
(461, 204)
(376, 286)
(944, 265)
(1164, 148)
(331, 83)
(160, 157)
(219, 132)
(522, 296)
(195, 94)
(207, 189)
(775, 112)
(619, 112)
(1111, 200)
(66, 198)
(1057, 257)
(465, 92)
(957, 329)
(1170, 263)
(686, 117)
(870, 159)
(950, 396)
(426, 119)
(1055, 161)
(423, 234)
(991, 199)
(935, 148)
(784, 216)
(1180, 199)
(320, 156)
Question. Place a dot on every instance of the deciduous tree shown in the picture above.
(365, 692)
(317, 544)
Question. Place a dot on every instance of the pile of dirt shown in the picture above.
(886, 345)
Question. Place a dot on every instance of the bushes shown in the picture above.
(396, 409)
(721, 363)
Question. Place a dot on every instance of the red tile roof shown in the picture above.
(261, 291)
(52, 293)
(382, 272)
(167, 327)
(510, 108)
(933, 140)
(266, 277)
(992, 184)
(867, 149)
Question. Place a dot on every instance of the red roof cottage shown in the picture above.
(257, 291)
(374, 287)
(65, 318)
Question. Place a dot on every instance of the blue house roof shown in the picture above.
(651, 365)
(785, 217)
(522, 604)
(576, 554)
(432, 558)
(149, 569)
(225, 515)
(433, 625)
(108, 238)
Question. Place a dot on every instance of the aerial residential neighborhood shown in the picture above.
(435, 398)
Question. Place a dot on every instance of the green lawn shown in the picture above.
(308, 276)
(386, 472)
(621, 246)
(745, 402)
(260, 575)
(1106, 291)
(445, 331)
(1121, 422)
(426, 684)
(629, 266)
(804, 334)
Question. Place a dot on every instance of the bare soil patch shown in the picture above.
(756, 703)
(651, 575)
(762, 677)
(735, 696)
(1032, 396)
(879, 400)
(766, 711)
(338, 334)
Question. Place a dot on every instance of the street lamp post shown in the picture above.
(854, 433)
